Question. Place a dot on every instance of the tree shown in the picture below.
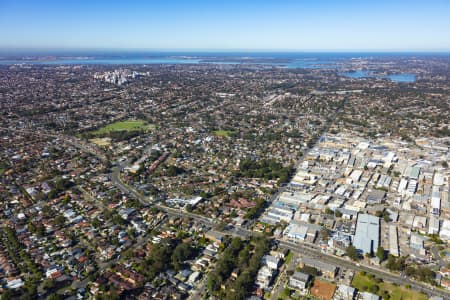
(31, 290)
(63, 184)
(31, 227)
(396, 264)
(204, 194)
(421, 273)
(255, 211)
(381, 254)
(117, 219)
(60, 220)
(40, 230)
(378, 280)
(383, 214)
(435, 238)
(173, 170)
(48, 284)
(374, 289)
(53, 193)
(7, 295)
(240, 286)
(189, 208)
(66, 199)
(96, 223)
(154, 210)
(352, 252)
(181, 253)
(46, 210)
(213, 282)
(244, 256)
(286, 292)
(55, 297)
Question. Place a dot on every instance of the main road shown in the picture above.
(117, 181)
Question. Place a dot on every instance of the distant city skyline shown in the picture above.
(322, 25)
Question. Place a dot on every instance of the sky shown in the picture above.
(268, 25)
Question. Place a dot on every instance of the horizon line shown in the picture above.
(212, 50)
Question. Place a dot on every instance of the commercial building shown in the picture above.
(433, 225)
(393, 241)
(444, 233)
(299, 281)
(344, 292)
(367, 236)
(328, 270)
(435, 201)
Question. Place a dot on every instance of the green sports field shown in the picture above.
(129, 125)
(364, 282)
(224, 133)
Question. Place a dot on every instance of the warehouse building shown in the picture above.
(367, 236)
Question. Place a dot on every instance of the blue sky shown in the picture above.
(297, 25)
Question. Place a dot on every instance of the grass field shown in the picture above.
(101, 141)
(129, 125)
(224, 133)
(363, 282)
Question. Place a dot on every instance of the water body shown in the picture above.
(279, 60)
(294, 64)
(286, 59)
(402, 77)
(291, 60)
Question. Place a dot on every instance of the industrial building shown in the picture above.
(367, 236)
(393, 241)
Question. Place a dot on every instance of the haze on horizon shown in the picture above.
(286, 25)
